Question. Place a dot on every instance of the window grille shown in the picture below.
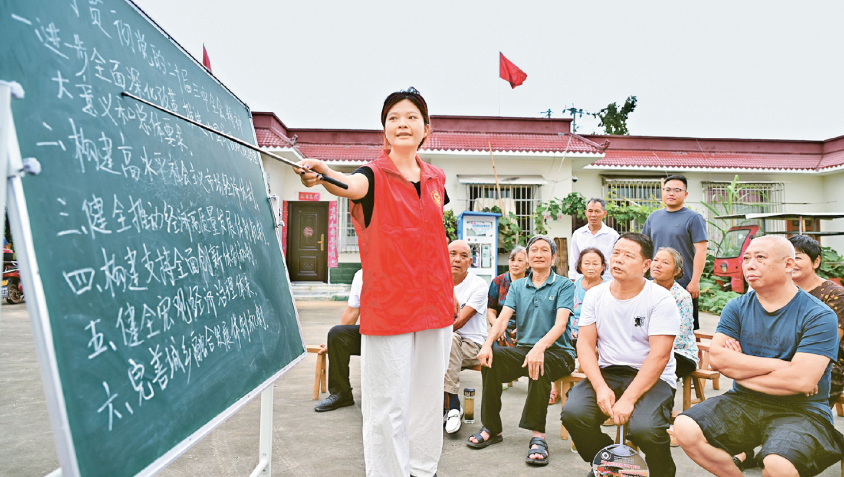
(522, 200)
(752, 198)
(348, 237)
(624, 191)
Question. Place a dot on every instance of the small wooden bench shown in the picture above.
(320, 375)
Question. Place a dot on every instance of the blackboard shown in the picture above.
(164, 284)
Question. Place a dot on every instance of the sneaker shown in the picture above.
(453, 420)
(334, 401)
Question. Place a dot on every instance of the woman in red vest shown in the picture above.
(407, 304)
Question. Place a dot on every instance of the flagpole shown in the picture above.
(499, 84)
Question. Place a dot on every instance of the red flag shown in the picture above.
(510, 72)
(206, 61)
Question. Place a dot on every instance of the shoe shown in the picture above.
(453, 420)
(334, 401)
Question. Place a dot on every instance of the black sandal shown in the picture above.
(749, 461)
(541, 449)
(482, 443)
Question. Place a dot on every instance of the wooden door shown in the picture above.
(307, 241)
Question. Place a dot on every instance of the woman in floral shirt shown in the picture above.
(665, 267)
(501, 285)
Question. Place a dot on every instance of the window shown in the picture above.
(749, 198)
(643, 191)
(520, 199)
(348, 237)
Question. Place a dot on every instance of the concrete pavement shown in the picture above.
(305, 443)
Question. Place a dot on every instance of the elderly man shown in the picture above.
(594, 234)
(469, 328)
(777, 342)
(541, 302)
(633, 322)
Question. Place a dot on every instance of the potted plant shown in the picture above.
(832, 265)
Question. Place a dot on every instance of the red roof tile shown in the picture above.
(718, 160)
(269, 138)
(459, 141)
(340, 152)
(832, 159)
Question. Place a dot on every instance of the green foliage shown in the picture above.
(832, 264)
(625, 210)
(450, 224)
(712, 297)
(510, 233)
(574, 203)
(614, 119)
(727, 205)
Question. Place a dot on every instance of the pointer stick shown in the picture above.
(236, 140)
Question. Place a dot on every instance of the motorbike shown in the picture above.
(11, 289)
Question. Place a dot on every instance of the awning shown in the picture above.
(503, 180)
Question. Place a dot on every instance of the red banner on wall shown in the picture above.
(332, 233)
(308, 195)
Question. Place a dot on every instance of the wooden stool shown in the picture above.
(696, 379)
(320, 376)
(703, 355)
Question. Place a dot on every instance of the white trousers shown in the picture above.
(402, 401)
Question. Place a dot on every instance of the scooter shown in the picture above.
(11, 289)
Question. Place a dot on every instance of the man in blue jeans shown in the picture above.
(633, 322)
(777, 343)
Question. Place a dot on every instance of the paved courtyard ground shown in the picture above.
(305, 443)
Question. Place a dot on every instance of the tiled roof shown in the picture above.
(340, 152)
(833, 159)
(269, 138)
(461, 141)
(718, 160)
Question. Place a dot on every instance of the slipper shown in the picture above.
(541, 449)
(482, 443)
(749, 461)
(554, 397)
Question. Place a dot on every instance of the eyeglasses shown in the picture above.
(675, 190)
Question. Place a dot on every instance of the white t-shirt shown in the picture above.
(624, 326)
(354, 293)
(472, 291)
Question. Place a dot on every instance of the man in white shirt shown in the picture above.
(469, 328)
(594, 234)
(343, 343)
(633, 322)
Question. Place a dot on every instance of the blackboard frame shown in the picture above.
(40, 317)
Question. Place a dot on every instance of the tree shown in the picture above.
(613, 119)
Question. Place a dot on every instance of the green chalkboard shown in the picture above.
(167, 297)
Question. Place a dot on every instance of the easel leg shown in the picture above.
(265, 445)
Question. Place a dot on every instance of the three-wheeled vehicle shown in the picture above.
(737, 238)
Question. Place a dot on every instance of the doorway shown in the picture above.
(307, 241)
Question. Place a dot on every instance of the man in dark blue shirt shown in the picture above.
(777, 342)
(682, 229)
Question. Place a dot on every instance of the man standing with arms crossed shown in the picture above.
(682, 229)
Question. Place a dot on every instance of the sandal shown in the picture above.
(541, 449)
(553, 398)
(482, 443)
(749, 461)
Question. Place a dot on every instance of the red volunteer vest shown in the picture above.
(407, 284)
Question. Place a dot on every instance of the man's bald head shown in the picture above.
(459, 245)
(776, 245)
(460, 259)
(767, 264)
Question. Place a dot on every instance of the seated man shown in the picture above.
(469, 328)
(542, 303)
(343, 342)
(633, 322)
(777, 342)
